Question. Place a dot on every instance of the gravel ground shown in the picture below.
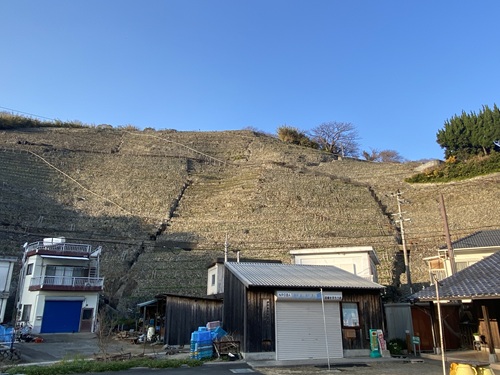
(427, 367)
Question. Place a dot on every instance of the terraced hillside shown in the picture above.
(162, 203)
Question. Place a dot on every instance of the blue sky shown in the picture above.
(395, 69)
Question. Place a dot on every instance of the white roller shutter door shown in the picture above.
(300, 330)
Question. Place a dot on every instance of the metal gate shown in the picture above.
(300, 330)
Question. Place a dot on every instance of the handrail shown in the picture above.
(62, 247)
(67, 281)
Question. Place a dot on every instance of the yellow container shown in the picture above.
(484, 371)
(462, 369)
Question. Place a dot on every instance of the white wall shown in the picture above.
(6, 270)
(215, 273)
(357, 260)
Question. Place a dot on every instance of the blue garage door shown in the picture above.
(61, 316)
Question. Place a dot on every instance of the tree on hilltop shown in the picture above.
(340, 138)
(384, 156)
(470, 133)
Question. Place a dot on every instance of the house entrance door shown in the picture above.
(87, 319)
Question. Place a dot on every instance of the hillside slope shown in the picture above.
(161, 203)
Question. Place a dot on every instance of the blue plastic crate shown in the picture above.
(218, 333)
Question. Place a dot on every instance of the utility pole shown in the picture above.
(400, 220)
(451, 254)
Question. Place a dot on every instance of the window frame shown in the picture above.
(26, 313)
(350, 308)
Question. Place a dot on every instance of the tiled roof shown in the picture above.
(297, 276)
(474, 282)
(485, 238)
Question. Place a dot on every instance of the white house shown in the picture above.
(6, 269)
(59, 286)
(359, 260)
(466, 251)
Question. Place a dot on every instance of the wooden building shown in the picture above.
(176, 316)
(477, 290)
(284, 311)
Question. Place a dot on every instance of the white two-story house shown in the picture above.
(59, 286)
(359, 260)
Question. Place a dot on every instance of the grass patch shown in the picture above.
(80, 366)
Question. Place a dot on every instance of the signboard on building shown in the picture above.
(307, 295)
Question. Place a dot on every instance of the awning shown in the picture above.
(148, 303)
(64, 257)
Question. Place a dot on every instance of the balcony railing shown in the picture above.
(66, 283)
(62, 248)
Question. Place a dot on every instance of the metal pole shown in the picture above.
(225, 250)
(324, 324)
(436, 283)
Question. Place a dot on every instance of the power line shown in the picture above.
(27, 113)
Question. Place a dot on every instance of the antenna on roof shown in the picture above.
(225, 249)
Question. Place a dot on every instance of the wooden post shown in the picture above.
(491, 346)
(451, 254)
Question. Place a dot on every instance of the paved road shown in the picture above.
(212, 368)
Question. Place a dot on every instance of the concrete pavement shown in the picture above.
(56, 347)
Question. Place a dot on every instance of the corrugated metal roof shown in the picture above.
(485, 238)
(297, 276)
(478, 281)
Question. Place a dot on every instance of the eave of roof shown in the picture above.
(481, 239)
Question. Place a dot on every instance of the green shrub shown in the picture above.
(453, 171)
(396, 346)
(80, 366)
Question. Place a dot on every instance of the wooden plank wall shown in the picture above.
(370, 317)
(183, 315)
(260, 335)
(234, 311)
(493, 306)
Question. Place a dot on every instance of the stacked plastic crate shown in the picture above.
(201, 344)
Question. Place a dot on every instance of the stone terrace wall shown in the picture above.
(161, 203)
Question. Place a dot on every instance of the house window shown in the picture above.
(29, 269)
(26, 313)
(66, 271)
(213, 279)
(87, 314)
(350, 314)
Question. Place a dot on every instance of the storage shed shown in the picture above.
(184, 314)
(285, 311)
